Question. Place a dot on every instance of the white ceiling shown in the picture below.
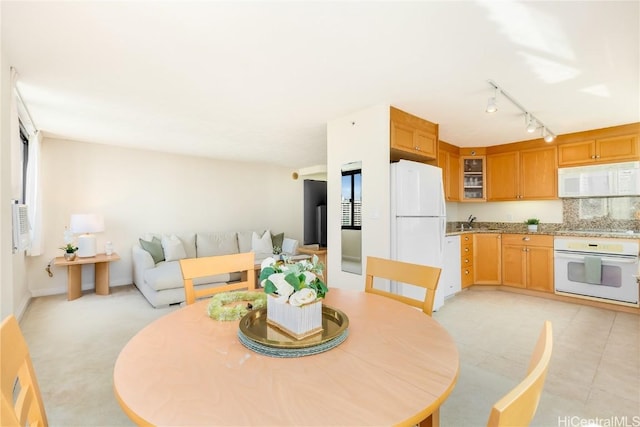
(258, 81)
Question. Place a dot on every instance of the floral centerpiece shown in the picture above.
(294, 295)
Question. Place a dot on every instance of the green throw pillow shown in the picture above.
(276, 240)
(154, 247)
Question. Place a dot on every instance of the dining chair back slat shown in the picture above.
(518, 407)
(194, 268)
(21, 399)
(403, 272)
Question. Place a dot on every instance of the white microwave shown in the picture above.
(615, 179)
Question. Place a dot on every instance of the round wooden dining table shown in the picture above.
(396, 367)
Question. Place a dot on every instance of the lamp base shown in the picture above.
(86, 246)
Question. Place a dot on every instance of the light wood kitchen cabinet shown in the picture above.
(527, 261)
(502, 176)
(466, 260)
(413, 138)
(523, 175)
(449, 162)
(487, 259)
(473, 179)
(601, 150)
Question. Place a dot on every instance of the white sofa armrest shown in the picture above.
(142, 261)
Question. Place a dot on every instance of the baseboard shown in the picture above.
(556, 297)
(59, 290)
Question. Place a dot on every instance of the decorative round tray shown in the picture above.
(255, 334)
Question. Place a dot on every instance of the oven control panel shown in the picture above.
(621, 247)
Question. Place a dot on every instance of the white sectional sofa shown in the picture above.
(156, 267)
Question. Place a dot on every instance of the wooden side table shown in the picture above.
(74, 273)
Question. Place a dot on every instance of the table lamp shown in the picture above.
(85, 224)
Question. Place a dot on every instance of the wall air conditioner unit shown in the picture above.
(21, 237)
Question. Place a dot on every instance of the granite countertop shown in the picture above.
(572, 233)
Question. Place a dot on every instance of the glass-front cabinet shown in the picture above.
(473, 179)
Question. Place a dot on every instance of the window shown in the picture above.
(352, 200)
(24, 139)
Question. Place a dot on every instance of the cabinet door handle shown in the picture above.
(526, 239)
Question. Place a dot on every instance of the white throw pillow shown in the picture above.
(173, 248)
(262, 245)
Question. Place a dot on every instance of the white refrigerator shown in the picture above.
(418, 221)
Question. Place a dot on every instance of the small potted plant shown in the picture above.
(69, 251)
(532, 224)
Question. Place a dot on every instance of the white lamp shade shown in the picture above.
(87, 223)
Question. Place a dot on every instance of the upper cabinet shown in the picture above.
(412, 138)
(449, 161)
(473, 179)
(600, 150)
(523, 175)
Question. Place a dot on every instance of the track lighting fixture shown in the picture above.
(531, 122)
(492, 107)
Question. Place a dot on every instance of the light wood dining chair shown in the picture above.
(194, 268)
(21, 398)
(415, 274)
(518, 407)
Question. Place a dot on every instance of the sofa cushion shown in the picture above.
(167, 275)
(188, 241)
(289, 246)
(244, 240)
(212, 244)
(276, 240)
(173, 248)
(261, 244)
(154, 247)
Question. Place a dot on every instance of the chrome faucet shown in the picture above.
(470, 220)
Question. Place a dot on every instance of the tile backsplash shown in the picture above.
(602, 213)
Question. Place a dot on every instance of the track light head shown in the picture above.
(491, 105)
(531, 124)
(548, 136)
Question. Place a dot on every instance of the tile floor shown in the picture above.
(594, 373)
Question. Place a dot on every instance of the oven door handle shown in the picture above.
(619, 260)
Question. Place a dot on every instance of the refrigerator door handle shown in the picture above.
(443, 226)
(443, 210)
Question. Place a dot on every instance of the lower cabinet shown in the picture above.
(487, 252)
(527, 261)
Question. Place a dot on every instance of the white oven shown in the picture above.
(597, 268)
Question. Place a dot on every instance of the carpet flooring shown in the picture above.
(594, 374)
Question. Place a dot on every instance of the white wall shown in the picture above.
(6, 263)
(14, 294)
(360, 136)
(140, 191)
